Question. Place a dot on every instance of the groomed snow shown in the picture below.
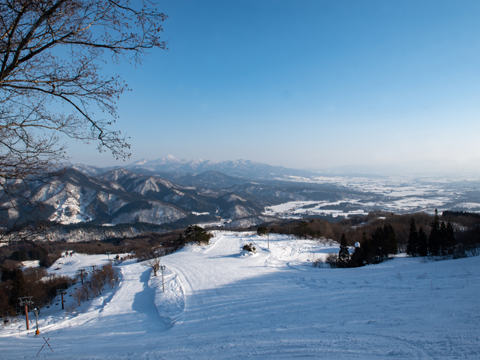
(220, 304)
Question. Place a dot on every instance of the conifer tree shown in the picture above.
(413, 245)
(379, 244)
(368, 249)
(442, 238)
(450, 239)
(262, 230)
(434, 238)
(422, 242)
(390, 239)
(197, 233)
(377, 238)
(343, 255)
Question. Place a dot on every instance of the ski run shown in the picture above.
(223, 303)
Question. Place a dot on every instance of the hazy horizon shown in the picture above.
(415, 168)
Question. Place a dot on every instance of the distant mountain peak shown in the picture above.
(140, 162)
(237, 168)
(169, 158)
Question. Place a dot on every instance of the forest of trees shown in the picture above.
(380, 235)
(441, 240)
(371, 250)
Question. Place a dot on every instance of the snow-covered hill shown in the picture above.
(220, 303)
(76, 197)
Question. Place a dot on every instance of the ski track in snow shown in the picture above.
(220, 303)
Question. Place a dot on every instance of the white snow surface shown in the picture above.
(273, 304)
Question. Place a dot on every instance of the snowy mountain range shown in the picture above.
(120, 196)
(168, 165)
(170, 193)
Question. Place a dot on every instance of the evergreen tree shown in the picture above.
(442, 238)
(390, 240)
(262, 230)
(379, 245)
(197, 234)
(434, 238)
(422, 242)
(343, 255)
(368, 249)
(412, 247)
(358, 257)
(450, 239)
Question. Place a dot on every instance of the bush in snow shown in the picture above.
(317, 263)
(249, 247)
(332, 260)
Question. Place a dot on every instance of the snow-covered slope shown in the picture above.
(220, 303)
(76, 197)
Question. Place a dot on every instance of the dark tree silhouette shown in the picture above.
(343, 255)
(434, 247)
(422, 242)
(195, 233)
(413, 244)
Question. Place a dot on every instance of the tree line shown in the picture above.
(440, 242)
(371, 250)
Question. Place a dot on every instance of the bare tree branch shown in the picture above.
(52, 53)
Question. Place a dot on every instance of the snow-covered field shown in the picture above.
(221, 303)
(393, 194)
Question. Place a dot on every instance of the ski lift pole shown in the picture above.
(81, 271)
(26, 300)
(61, 292)
(163, 279)
(26, 316)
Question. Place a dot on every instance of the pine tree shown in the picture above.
(262, 230)
(442, 238)
(390, 240)
(434, 238)
(422, 242)
(379, 245)
(197, 234)
(450, 239)
(412, 247)
(368, 249)
(343, 255)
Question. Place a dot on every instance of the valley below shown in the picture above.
(86, 203)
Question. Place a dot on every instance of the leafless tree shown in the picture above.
(51, 56)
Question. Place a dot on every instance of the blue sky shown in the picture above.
(307, 84)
